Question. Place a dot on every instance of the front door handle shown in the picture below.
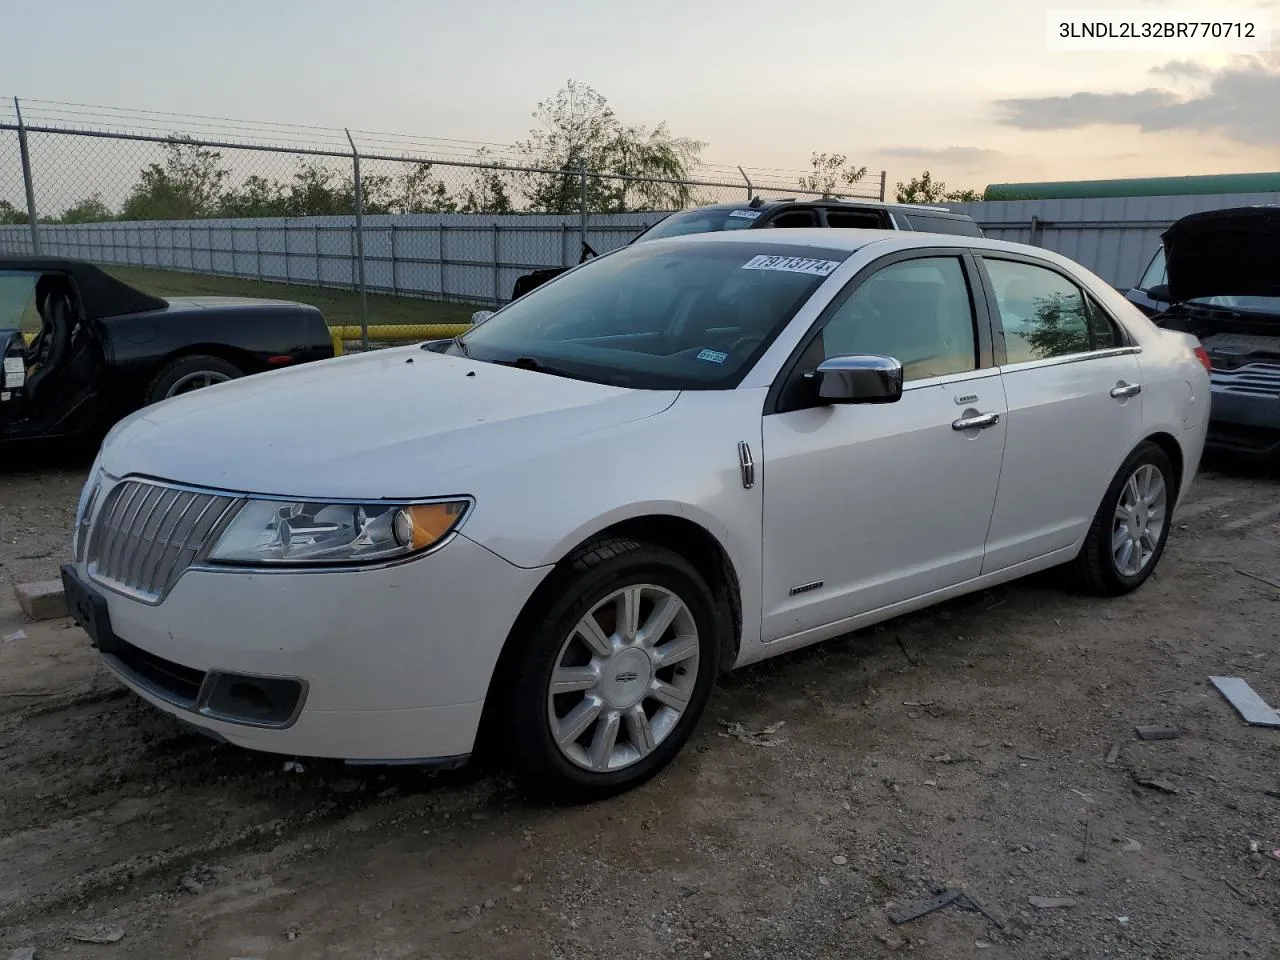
(981, 421)
(1122, 390)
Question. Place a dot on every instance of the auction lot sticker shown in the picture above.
(818, 268)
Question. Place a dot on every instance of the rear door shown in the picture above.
(1073, 386)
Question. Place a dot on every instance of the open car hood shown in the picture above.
(1224, 253)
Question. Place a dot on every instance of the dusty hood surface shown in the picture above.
(402, 422)
(1224, 253)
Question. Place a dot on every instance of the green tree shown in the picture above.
(489, 190)
(577, 128)
(255, 197)
(830, 171)
(419, 190)
(90, 210)
(315, 190)
(187, 186)
(10, 215)
(924, 189)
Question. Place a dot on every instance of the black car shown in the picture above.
(764, 214)
(1217, 275)
(102, 348)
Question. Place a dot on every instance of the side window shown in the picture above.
(1042, 313)
(864, 219)
(1155, 272)
(18, 301)
(795, 218)
(1103, 332)
(925, 223)
(916, 311)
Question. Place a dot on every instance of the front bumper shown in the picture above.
(391, 663)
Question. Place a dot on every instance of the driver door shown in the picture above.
(866, 506)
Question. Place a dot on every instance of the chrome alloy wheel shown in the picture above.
(195, 381)
(1139, 520)
(623, 678)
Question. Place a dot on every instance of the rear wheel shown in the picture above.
(615, 674)
(191, 373)
(1129, 531)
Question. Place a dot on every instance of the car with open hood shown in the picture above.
(82, 348)
(1217, 275)
(550, 534)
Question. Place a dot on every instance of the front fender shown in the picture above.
(680, 463)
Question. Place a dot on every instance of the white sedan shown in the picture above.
(551, 533)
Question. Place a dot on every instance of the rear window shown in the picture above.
(927, 223)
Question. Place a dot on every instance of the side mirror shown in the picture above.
(1160, 292)
(480, 316)
(859, 379)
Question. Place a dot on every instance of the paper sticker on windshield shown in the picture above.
(818, 268)
(745, 214)
(15, 374)
(713, 356)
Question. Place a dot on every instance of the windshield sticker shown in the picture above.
(745, 214)
(817, 268)
(713, 356)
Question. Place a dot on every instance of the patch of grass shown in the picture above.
(338, 306)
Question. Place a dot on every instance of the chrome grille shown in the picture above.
(1252, 379)
(145, 535)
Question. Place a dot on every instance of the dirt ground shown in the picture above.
(963, 748)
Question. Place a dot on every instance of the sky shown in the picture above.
(968, 90)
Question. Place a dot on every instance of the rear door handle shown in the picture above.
(1122, 390)
(981, 421)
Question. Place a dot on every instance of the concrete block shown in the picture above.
(42, 601)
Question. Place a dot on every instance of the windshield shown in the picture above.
(657, 316)
(701, 221)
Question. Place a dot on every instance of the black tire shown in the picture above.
(1095, 567)
(188, 366)
(541, 769)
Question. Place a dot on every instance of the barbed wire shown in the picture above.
(73, 115)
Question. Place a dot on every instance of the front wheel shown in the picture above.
(1130, 529)
(616, 674)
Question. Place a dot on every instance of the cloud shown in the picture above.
(952, 156)
(1238, 102)
(1182, 68)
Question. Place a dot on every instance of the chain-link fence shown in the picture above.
(372, 213)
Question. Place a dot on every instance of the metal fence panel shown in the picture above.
(1115, 237)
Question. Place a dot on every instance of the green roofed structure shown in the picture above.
(1137, 187)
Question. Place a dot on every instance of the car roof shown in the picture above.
(760, 204)
(101, 295)
(853, 239)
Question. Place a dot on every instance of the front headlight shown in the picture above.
(309, 532)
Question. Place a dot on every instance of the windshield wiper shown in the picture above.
(532, 363)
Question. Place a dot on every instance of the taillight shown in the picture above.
(1203, 356)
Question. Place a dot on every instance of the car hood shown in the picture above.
(396, 423)
(1222, 253)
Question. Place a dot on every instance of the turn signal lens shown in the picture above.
(1203, 356)
(420, 525)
